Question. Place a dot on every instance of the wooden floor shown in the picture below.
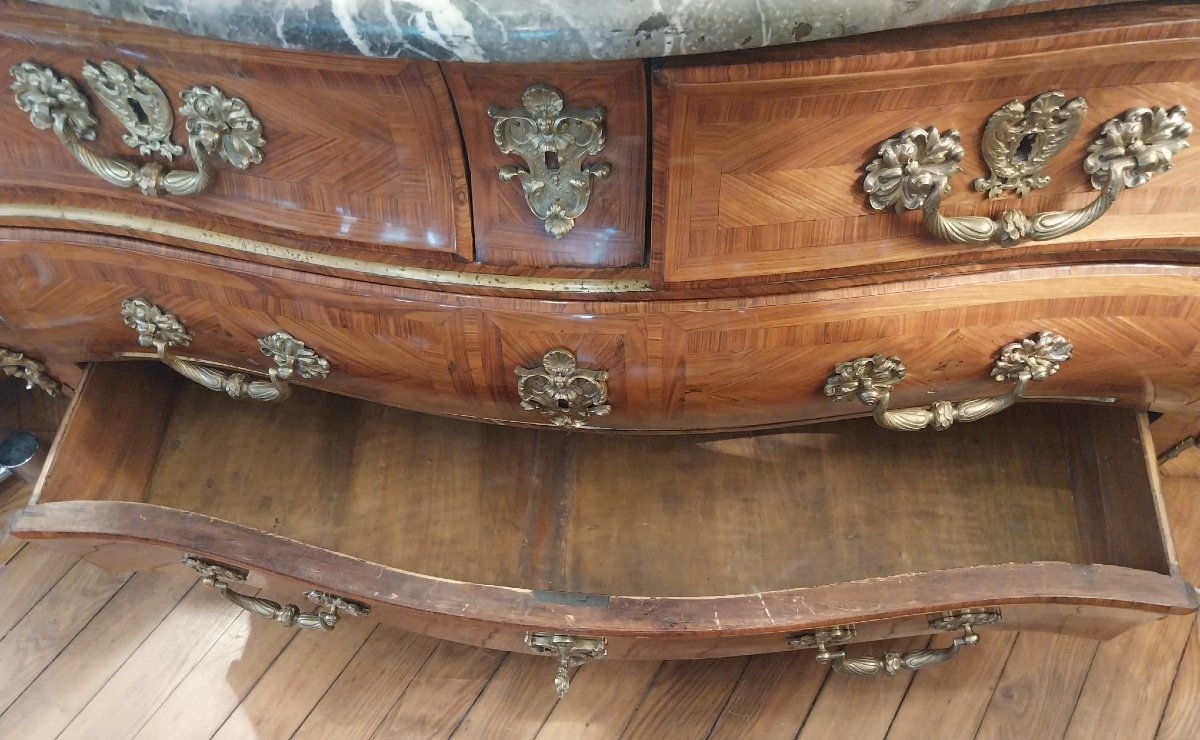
(89, 654)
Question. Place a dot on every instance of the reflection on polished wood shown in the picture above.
(364, 157)
(673, 365)
(760, 164)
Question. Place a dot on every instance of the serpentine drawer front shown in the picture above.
(350, 158)
(666, 365)
(1044, 517)
(1058, 138)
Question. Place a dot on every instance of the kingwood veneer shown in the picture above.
(673, 365)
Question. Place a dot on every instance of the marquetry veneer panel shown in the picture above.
(362, 159)
(673, 365)
(759, 165)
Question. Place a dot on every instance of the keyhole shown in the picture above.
(1025, 148)
(552, 161)
(562, 404)
(138, 111)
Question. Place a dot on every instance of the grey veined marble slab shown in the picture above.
(527, 30)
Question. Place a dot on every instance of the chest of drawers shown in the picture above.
(725, 246)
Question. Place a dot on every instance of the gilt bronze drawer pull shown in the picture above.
(322, 619)
(217, 125)
(162, 330)
(892, 663)
(870, 381)
(571, 652)
(28, 370)
(553, 140)
(913, 170)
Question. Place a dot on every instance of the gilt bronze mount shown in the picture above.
(913, 170)
(570, 395)
(870, 380)
(219, 127)
(553, 140)
(162, 330)
(28, 370)
(571, 651)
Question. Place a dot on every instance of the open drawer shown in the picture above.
(1047, 516)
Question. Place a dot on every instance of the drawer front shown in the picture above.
(480, 534)
(761, 174)
(1084, 621)
(610, 231)
(670, 365)
(360, 155)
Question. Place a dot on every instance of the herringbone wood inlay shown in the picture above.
(763, 163)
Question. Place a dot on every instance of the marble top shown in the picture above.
(528, 30)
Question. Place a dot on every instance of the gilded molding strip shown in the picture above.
(248, 246)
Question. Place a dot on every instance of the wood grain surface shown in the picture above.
(612, 231)
(642, 539)
(481, 692)
(456, 511)
(759, 158)
(363, 157)
(682, 365)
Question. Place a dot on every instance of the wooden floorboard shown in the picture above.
(442, 693)
(363, 694)
(686, 699)
(289, 689)
(850, 706)
(521, 681)
(772, 698)
(89, 654)
(1182, 715)
(951, 702)
(46, 630)
(606, 698)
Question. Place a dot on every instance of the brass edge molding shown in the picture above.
(553, 140)
(913, 172)
(249, 246)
